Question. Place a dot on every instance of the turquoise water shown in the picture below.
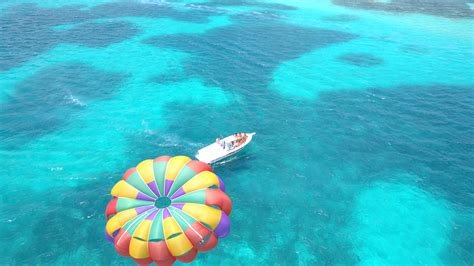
(364, 116)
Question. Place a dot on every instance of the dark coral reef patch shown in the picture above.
(42, 103)
(452, 9)
(38, 24)
(244, 55)
(360, 59)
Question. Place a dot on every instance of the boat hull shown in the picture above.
(214, 152)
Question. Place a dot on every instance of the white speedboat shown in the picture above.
(216, 151)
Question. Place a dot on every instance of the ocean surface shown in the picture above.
(364, 113)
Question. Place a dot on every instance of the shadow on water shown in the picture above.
(236, 161)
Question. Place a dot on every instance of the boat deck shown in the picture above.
(214, 152)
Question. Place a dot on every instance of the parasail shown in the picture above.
(167, 209)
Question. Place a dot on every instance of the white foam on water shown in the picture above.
(70, 99)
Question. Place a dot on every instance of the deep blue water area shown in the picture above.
(364, 113)
(229, 64)
(456, 8)
(43, 102)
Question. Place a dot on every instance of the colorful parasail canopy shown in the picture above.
(167, 209)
